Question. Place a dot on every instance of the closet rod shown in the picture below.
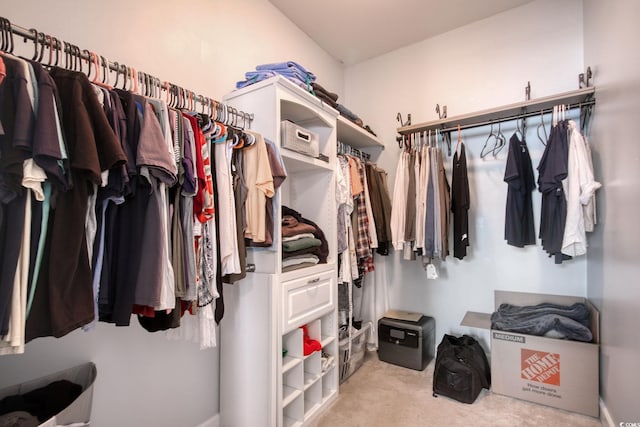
(57, 44)
(574, 99)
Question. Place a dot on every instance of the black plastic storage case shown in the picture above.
(407, 343)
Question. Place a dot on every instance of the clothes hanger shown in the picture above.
(128, 84)
(117, 71)
(105, 71)
(34, 33)
(66, 54)
(483, 154)
(519, 130)
(42, 46)
(50, 43)
(459, 143)
(57, 44)
(89, 63)
(500, 142)
(4, 41)
(77, 59)
(544, 129)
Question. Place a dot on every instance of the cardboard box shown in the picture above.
(78, 413)
(554, 372)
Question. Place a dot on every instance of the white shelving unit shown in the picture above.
(265, 378)
(357, 137)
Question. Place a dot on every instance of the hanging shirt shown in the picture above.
(13, 342)
(373, 234)
(421, 202)
(552, 170)
(260, 186)
(399, 205)
(225, 210)
(380, 207)
(460, 202)
(93, 147)
(579, 188)
(445, 207)
(519, 228)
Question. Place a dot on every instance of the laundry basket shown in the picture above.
(349, 363)
(78, 413)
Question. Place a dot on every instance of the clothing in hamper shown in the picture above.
(18, 419)
(43, 402)
(519, 228)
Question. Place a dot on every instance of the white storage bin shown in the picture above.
(78, 413)
(349, 363)
(299, 139)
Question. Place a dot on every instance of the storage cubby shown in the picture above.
(312, 369)
(293, 413)
(312, 399)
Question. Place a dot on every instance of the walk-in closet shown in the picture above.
(269, 213)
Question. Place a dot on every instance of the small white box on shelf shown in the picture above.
(299, 139)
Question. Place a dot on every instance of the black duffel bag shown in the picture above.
(461, 370)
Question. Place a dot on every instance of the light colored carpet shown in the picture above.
(380, 394)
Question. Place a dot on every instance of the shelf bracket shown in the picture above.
(584, 78)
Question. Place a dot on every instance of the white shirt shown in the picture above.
(579, 188)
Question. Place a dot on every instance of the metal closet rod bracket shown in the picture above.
(584, 78)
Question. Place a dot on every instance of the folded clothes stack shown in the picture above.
(303, 78)
(291, 70)
(303, 243)
(326, 96)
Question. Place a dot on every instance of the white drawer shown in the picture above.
(307, 298)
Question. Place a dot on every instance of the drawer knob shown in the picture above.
(317, 279)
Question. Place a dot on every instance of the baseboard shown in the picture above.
(605, 415)
(211, 422)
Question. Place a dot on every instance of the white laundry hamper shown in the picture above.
(78, 413)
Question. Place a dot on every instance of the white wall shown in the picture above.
(611, 34)
(482, 65)
(205, 46)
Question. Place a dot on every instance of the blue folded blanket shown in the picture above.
(289, 65)
(553, 320)
(291, 70)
